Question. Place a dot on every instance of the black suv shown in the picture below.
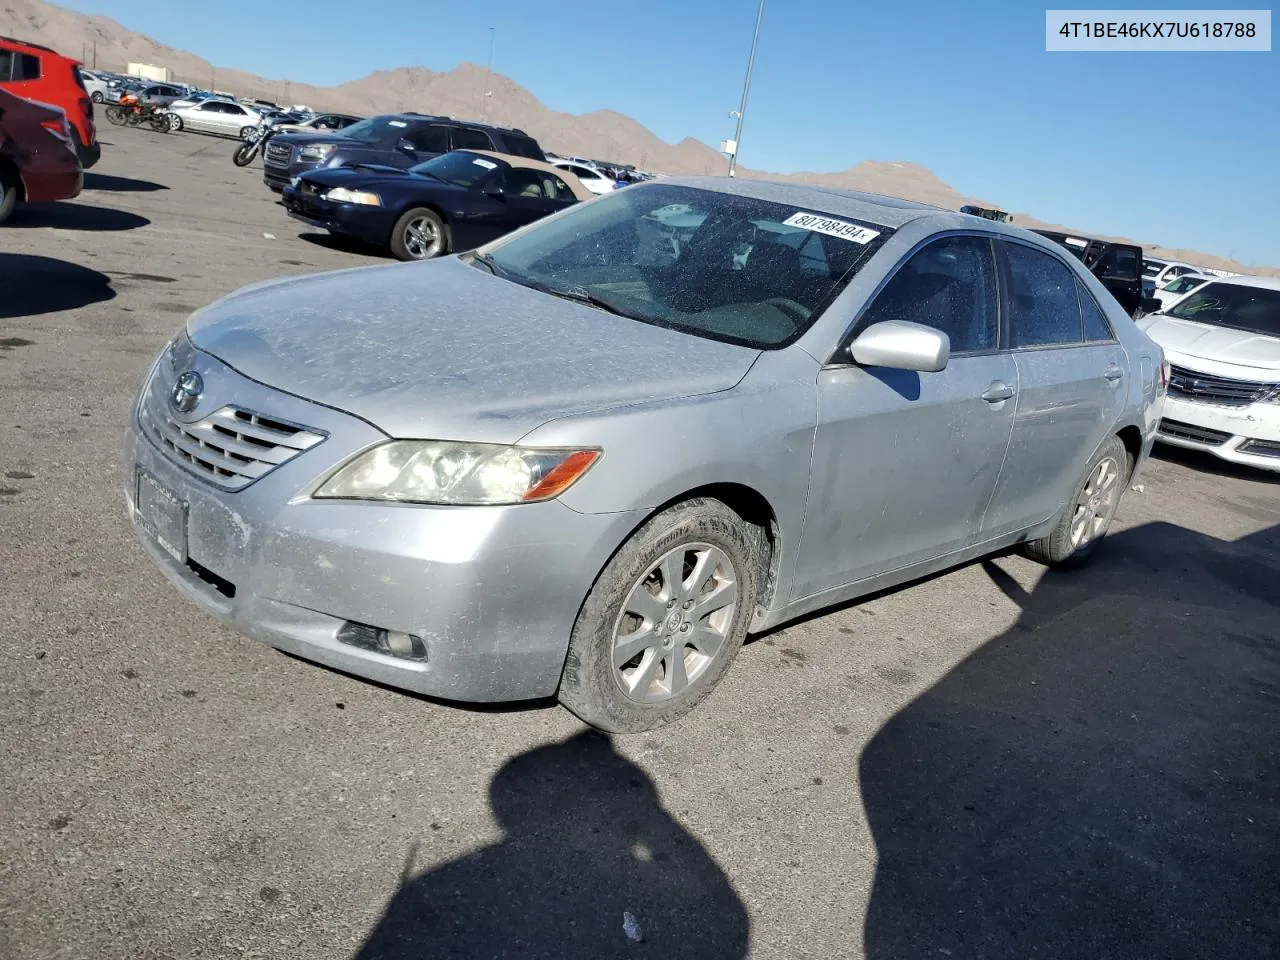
(394, 140)
(1117, 265)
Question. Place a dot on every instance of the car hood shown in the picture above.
(373, 175)
(1213, 343)
(445, 350)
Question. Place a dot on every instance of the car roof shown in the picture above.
(572, 182)
(1262, 283)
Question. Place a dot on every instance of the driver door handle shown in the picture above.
(998, 391)
(1113, 372)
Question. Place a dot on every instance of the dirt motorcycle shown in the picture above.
(130, 112)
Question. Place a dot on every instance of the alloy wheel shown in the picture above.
(674, 621)
(421, 238)
(1096, 503)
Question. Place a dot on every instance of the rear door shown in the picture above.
(421, 143)
(904, 463)
(1071, 375)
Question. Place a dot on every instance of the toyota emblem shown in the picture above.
(187, 392)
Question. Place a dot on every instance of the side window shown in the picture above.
(556, 188)
(523, 182)
(430, 139)
(25, 67)
(1120, 263)
(1043, 307)
(466, 138)
(6, 64)
(1096, 327)
(949, 285)
(234, 108)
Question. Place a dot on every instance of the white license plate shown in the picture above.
(162, 515)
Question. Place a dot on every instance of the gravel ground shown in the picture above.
(991, 763)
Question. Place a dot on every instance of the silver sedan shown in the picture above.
(223, 117)
(589, 459)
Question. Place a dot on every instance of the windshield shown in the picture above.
(460, 168)
(375, 129)
(1234, 305)
(1183, 284)
(712, 264)
(1151, 267)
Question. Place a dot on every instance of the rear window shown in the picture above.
(17, 66)
(519, 146)
(1151, 267)
(466, 138)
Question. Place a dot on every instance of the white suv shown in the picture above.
(1223, 343)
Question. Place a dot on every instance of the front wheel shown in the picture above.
(159, 122)
(244, 154)
(419, 234)
(116, 115)
(175, 123)
(8, 194)
(96, 96)
(664, 620)
(1093, 506)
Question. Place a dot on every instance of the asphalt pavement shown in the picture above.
(993, 763)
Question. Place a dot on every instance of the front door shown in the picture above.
(904, 463)
(1071, 373)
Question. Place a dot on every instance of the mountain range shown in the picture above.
(461, 92)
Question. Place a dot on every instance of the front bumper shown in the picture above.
(370, 224)
(278, 175)
(1248, 435)
(492, 591)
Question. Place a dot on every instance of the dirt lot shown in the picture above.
(991, 763)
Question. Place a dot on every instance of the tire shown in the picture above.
(247, 132)
(115, 115)
(419, 234)
(96, 96)
(717, 557)
(9, 190)
(175, 123)
(1093, 505)
(244, 154)
(159, 122)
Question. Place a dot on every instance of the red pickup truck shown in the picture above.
(38, 159)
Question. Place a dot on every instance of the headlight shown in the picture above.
(316, 151)
(343, 195)
(443, 471)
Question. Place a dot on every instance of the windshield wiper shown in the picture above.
(487, 261)
(583, 295)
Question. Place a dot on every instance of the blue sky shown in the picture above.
(1175, 148)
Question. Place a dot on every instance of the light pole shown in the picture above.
(488, 69)
(746, 88)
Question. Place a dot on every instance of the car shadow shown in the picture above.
(590, 865)
(31, 285)
(105, 181)
(1101, 780)
(336, 241)
(1208, 463)
(73, 216)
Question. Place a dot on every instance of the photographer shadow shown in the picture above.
(591, 866)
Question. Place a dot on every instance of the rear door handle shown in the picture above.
(999, 390)
(1113, 373)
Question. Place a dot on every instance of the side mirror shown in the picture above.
(406, 146)
(494, 189)
(1151, 305)
(902, 346)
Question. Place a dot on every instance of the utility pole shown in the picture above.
(488, 70)
(95, 54)
(746, 88)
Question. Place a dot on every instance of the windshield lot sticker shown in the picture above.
(487, 164)
(832, 228)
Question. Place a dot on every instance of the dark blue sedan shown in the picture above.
(454, 202)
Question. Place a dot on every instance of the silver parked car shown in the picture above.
(215, 116)
(589, 458)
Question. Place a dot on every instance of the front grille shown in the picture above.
(1263, 448)
(1224, 391)
(230, 447)
(1189, 431)
(278, 154)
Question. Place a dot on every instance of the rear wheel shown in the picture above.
(9, 188)
(1085, 522)
(247, 132)
(96, 96)
(419, 234)
(664, 619)
(175, 123)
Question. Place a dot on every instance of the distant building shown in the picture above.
(148, 72)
